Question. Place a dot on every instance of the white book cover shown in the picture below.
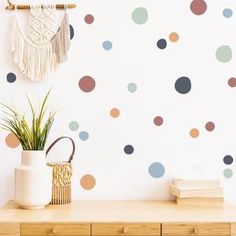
(197, 183)
(185, 193)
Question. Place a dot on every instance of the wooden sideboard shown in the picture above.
(101, 218)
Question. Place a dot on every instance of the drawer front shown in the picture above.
(55, 229)
(9, 229)
(196, 229)
(125, 229)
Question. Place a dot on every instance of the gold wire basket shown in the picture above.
(62, 173)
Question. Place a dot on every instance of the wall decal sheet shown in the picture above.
(148, 94)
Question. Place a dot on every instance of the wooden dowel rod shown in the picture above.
(26, 7)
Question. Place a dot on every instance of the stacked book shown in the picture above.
(197, 192)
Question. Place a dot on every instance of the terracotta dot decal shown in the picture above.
(194, 133)
(161, 44)
(12, 141)
(158, 121)
(73, 125)
(173, 37)
(140, 15)
(88, 182)
(89, 19)
(72, 32)
(228, 173)
(210, 126)
(224, 54)
(115, 112)
(156, 170)
(87, 84)
(198, 7)
(228, 160)
(129, 149)
(183, 85)
(11, 77)
(232, 82)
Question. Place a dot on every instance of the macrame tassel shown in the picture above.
(61, 41)
(37, 62)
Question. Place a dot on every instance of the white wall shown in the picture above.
(134, 58)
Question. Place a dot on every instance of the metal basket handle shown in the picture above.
(58, 139)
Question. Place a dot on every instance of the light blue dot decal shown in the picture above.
(156, 170)
(107, 45)
(227, 13)
(83, 135)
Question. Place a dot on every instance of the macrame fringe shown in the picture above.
(37, 62)
(61, 41)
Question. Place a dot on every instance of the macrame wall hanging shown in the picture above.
(38, 53)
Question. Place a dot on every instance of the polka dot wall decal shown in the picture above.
(11, 77)
(107, 45)
(89, 19)
(232, 82)
(87, 84)
(228, 160)
(227, 13)
(228, 173)
(140, 15)
(73, 125)
(156, 170)
(224, 53)
(210, 126)
(161, 44)
(183, 85)
(132, 87)
(88, 182)
(12, 141)
(115, 112)
(83, 135)
(158, 121)
(128, 149)
(194, 133)
(198, 7)
(173, 37)
(72, 32)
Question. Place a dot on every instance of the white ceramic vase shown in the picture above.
(33, 181)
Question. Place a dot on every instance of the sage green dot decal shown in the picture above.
(73, 125)
(228, 173)
(224, 53)
(140, 15)
(132, 87)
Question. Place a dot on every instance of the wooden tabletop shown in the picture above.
(117, 212)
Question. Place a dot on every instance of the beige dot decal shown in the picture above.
(12, 141)
(88, 182)
(194, 133)
(174, 37)
(115, 112)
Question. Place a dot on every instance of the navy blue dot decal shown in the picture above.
(228, 160)
(129, 149)
(161, 43)
(72, 32)
(183, 85)
(11, 77)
